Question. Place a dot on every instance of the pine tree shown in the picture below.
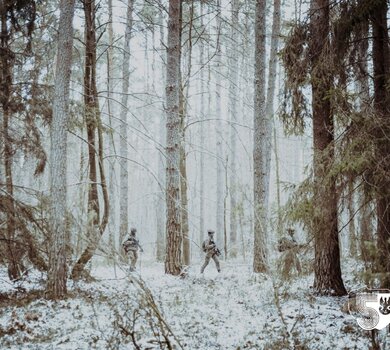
(160, 215)
(259, 144)
(124, 143)
(96, 226)
(233, 132)
(381, 56)
(269, 109)
(219, 132)
(327, 271)
(173, 256)
(202, 132)
(57, 274)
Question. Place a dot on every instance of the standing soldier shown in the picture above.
(211, 250)
(131, 246)
(289, 248)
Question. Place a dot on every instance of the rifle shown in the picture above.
(131, 242)
(140, 248)
(215, 250)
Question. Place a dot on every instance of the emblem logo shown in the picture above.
(372, 309)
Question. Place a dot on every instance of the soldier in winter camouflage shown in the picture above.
(131, 246)
(211, 250)
(288, 246)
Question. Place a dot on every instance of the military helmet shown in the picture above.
(133, 230)
(210, 232)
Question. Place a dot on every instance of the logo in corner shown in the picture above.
(372, 308)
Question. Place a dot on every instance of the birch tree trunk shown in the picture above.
(57, 274)
(327, 271)
(259, 144)
(174, 239)
(123, 133)
(233, 82)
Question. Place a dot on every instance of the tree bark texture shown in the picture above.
(380, 48)
(327, 271)
(95, 145)
(183, 108)
(123, 133)
(160, 249)
(269, 108)
(259, 144)
(219, 136)
(173, 258)
(57, 274)
(14, 256)
(202, 136)
(233, 132)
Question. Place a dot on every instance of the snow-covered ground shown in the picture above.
(232, 310)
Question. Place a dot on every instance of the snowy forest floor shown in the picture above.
(232, 310)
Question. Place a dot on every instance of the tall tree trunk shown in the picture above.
(259, 143)
(57, 274)
(95, 147)
(247, 100)
(111, 141)
(366, 228)
(183, 182)
(277, 178)
(269, 108)
(351, 214)
(123, 134)
(90, 120)
(225, 198)
(161, 160)
(218, 131)
(82, 217)
(183, 108)
(202, 134)
(327, 271)
(174, 239)
(233, 132)
(380, 48)
(184, 204)
(365, 217)
(15, 265)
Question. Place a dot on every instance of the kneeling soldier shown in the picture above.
(131, 246)
(211, 250)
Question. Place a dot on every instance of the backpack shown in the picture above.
(129, 244)
(285, 243)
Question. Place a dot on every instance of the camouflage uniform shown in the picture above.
(289, 248)
(210, 250)
(131, 246)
